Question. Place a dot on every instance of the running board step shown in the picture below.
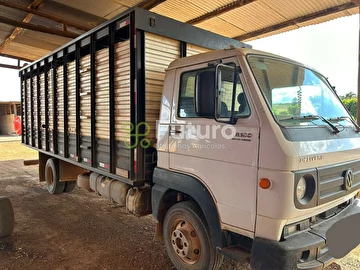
(236, 253)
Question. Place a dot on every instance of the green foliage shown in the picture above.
(294, 108)
(351, 105)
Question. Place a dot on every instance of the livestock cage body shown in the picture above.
(83, 102)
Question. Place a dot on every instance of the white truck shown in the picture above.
(234, 151)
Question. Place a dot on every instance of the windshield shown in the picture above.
(296, 95)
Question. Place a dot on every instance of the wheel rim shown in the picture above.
(185, 241)
(50, 177)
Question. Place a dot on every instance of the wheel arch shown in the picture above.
(169, 184)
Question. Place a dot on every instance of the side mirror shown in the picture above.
(205, 94)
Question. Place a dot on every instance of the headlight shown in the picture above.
(301, 189)
(305, 189)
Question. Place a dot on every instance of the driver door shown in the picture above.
(224, 157)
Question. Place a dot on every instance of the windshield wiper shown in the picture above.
(346, 118)
(300, 118)
(335, 129)
(313, 117)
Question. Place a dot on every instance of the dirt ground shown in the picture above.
(81, 230)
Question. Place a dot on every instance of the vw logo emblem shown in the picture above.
(349, 179)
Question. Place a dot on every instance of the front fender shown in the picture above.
(165, 180)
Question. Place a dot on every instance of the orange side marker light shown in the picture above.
(264, 183)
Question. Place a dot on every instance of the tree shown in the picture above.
(351, 105)
(294, 108)
(348, 95)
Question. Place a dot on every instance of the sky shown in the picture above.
(9, 81)
(331, 48)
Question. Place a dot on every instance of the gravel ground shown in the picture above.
(81, 230)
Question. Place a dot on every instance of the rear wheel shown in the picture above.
(69, 186)
(53, 184)
(187, 238)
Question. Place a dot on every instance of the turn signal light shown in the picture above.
(264, 183)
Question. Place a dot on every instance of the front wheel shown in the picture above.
(187, 238)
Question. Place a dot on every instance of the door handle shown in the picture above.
(175, 131)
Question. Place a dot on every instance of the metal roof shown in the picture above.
(30, 36)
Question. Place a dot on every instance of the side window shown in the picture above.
(186, 106)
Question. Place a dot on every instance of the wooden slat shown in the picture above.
(50, 99)
(23, 99)
(122, 90)
(29, 112)
(42, 109)
(194, 49)
(159, 53)
(35, 111)
(85, 101)
(60, 98)
(102, 95)
(71, 88)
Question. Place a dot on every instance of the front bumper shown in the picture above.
(306, 250)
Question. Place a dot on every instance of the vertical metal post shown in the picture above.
(132, 93)
(93, 97)
(77, 71)
(139, 128)
(113, 149)
(183, 49)
(65, 101)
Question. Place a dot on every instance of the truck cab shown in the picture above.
(256, 155)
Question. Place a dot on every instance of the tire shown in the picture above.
(69, 186)
(53, 185)
(6, 217)
(187, 238)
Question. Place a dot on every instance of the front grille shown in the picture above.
(332, 181)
